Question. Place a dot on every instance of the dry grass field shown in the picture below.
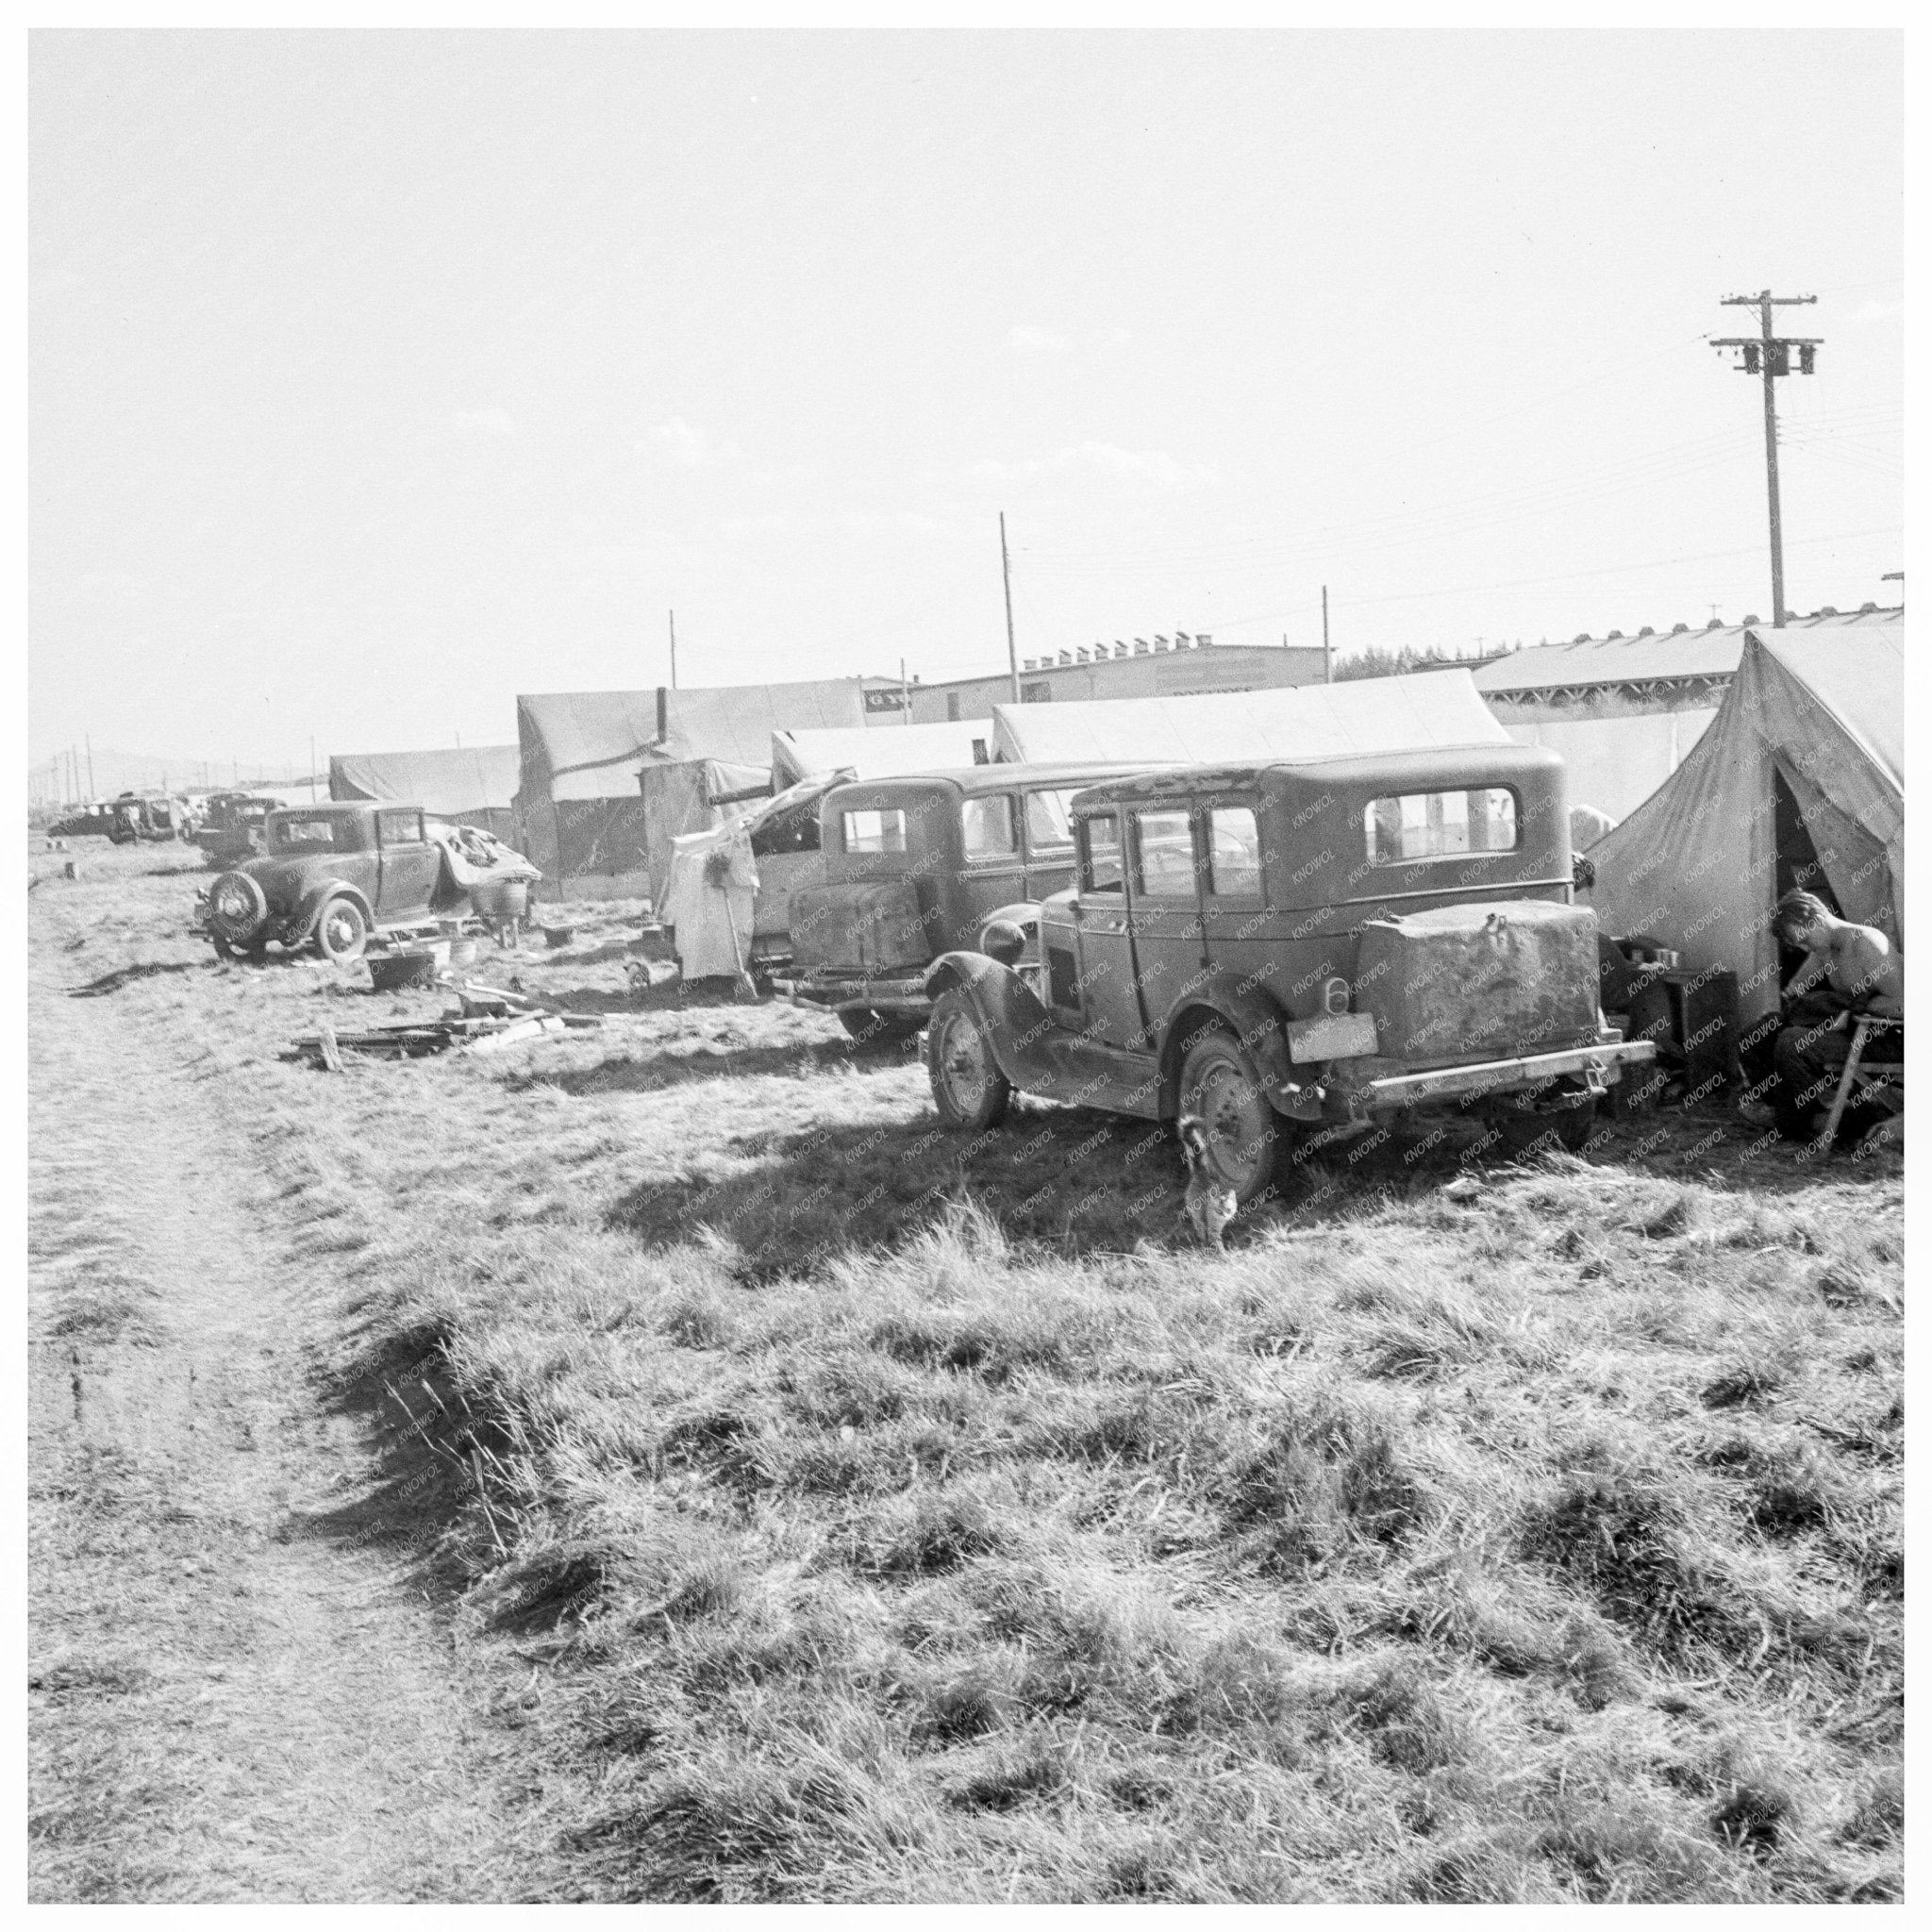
(784, 1499)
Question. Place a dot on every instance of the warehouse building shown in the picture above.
(1177, 665)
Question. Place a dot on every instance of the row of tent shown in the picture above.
(1796, 777)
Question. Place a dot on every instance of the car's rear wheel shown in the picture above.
(1249, 1144)
(341, 934)
(968, 1088)
(870, 1027)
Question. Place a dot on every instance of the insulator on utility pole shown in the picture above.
(1768, 356)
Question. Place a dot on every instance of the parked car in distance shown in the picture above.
(913, 869)
(234, 826)
(332, 875)
(148, 815)
(1288, 947)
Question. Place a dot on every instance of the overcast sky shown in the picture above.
(378, 377)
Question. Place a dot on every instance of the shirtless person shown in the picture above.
(1849, 970)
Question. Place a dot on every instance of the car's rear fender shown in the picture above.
(1225, 1001)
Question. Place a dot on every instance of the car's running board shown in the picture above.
(1082, 1073)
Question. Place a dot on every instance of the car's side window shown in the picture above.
(1234, 853)
(1100, 856)
(987, 828)
(1164, 854)
(400, 828)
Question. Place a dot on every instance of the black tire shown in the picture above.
(968, 1088)
(341, 933)
(870, 1027)
(236, 906)
(249, 955)
(1250, 1146)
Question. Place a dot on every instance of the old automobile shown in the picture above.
(1297, 952)
(234, 826)
(335, 874)
(915, 868)
(148, 815)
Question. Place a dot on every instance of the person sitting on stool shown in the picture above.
(1849, 970)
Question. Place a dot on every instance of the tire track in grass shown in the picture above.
(229, 1700)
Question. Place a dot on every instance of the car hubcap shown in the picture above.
(1235, 1141)
(340, 933)
(961, 1064)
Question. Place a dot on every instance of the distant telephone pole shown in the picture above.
(88, 736)
(1769, 355)
(1007, 579)
(1327, 655)
(674, 650)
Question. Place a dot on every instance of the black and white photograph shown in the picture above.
(965, 963)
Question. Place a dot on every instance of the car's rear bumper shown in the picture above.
(1589, 1070)
(894, 995)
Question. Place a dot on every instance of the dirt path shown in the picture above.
(228, 1702)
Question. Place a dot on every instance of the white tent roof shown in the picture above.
(876, 750)
(1425, 711)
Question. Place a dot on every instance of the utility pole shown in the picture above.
(89, 737)
(905, 696)
(1327, 655)
(1769, 355)
(1007, 579)
(674, 650)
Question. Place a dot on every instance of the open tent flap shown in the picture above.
(1418, 711)
(1701, 865)
(881, 751)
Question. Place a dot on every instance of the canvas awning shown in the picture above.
(445, 783)
(1425, 711)
(590, 744)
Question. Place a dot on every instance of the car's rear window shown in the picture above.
(317, 834)
(1439, 824)
(879, 830)
(1049, 823)
(987, 826)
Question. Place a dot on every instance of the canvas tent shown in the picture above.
(1800, 781)
(1615, 763)
(1369, 714)
(473, 786)
(879, 751)
(609, 779)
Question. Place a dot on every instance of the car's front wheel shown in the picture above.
(1248, 1144)
(968, 1088)
(341, 934)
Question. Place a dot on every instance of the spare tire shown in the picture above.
(236, 906)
